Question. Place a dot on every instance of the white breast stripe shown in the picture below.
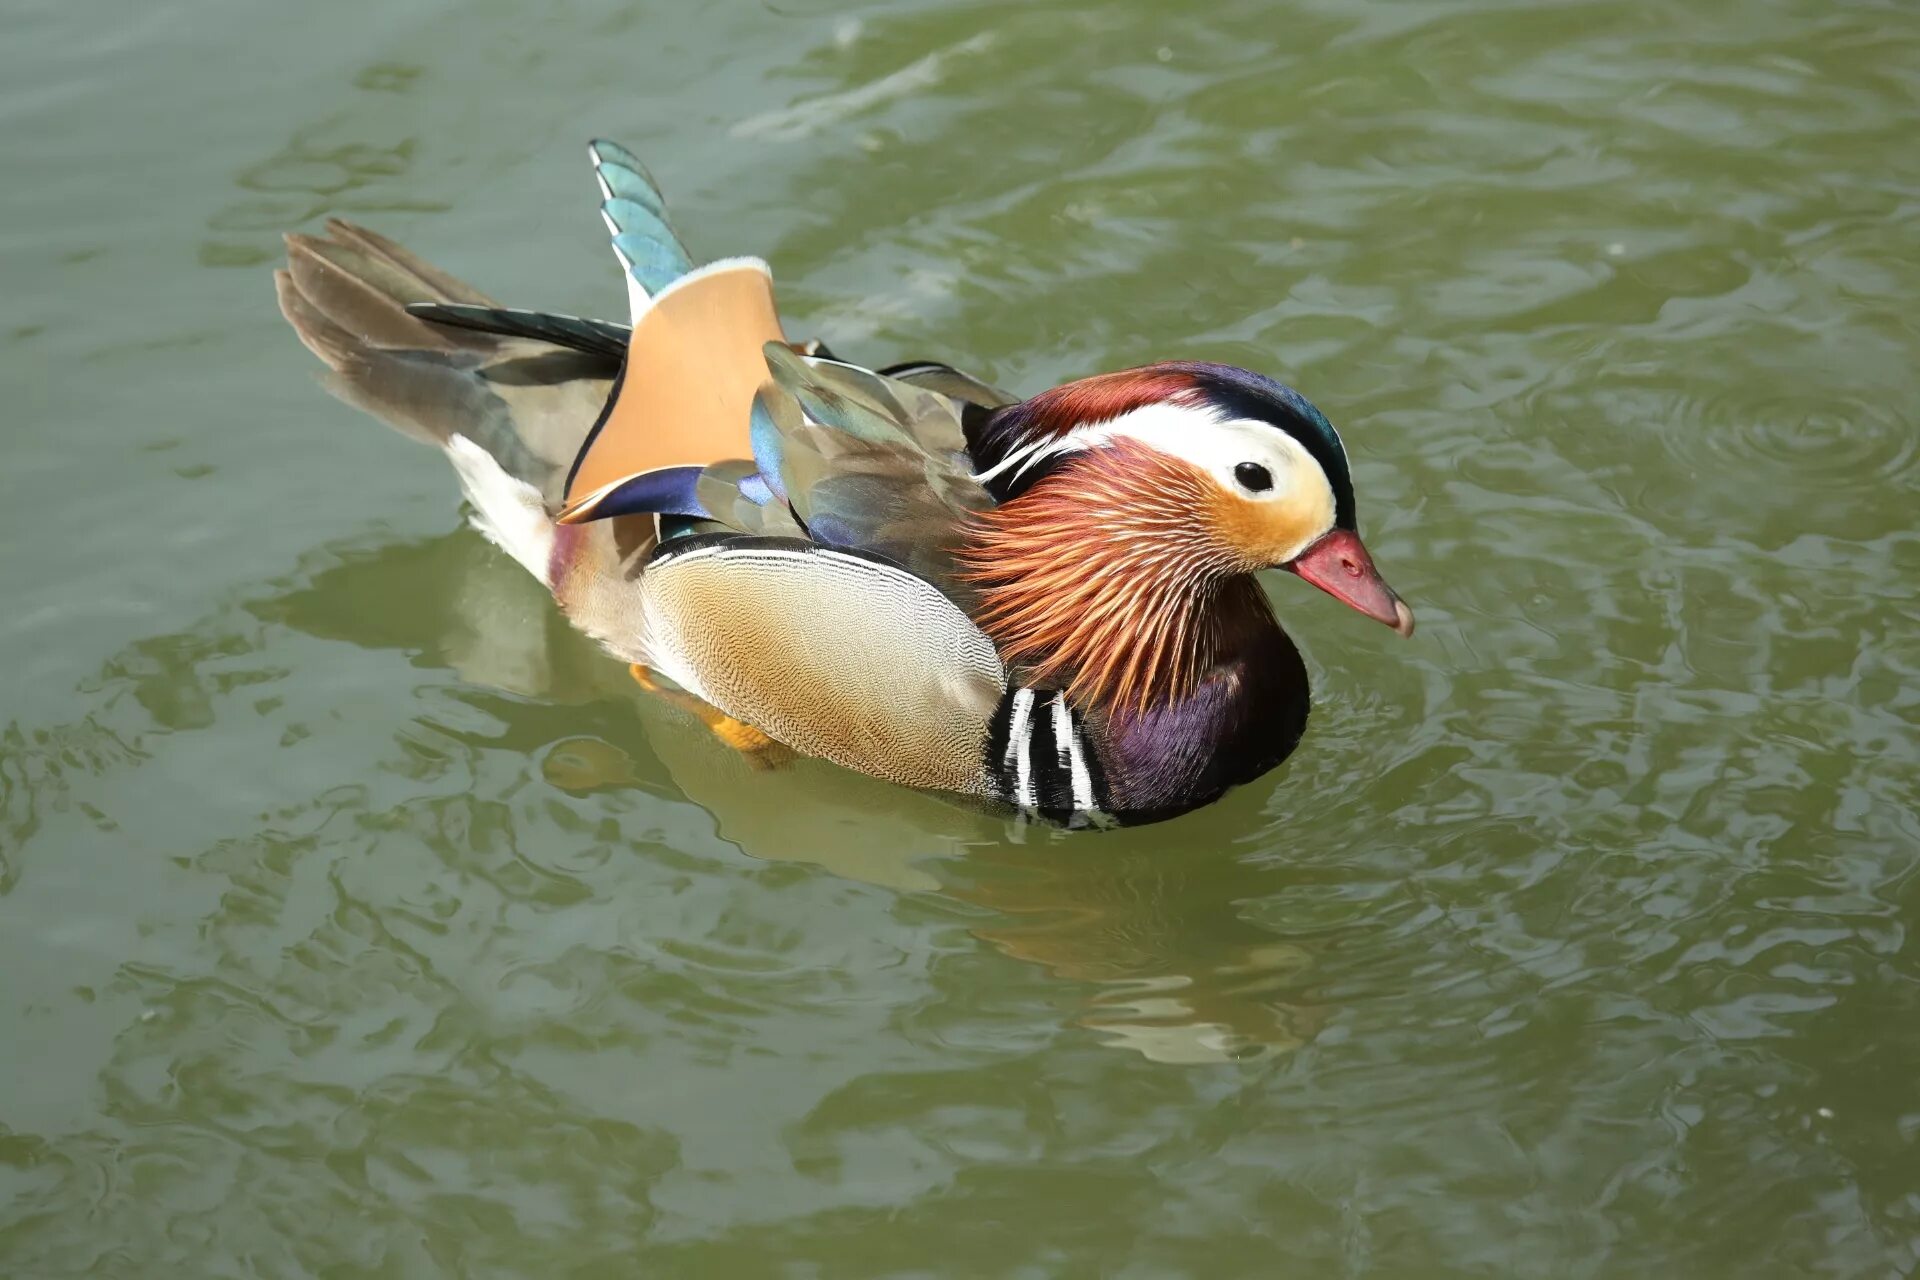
(1062, 730)
(1076, 764)
(1019, 732)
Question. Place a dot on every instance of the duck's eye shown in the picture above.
(1253, 477)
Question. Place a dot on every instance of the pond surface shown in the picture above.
(357, 919)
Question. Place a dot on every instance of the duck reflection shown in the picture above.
(1151, 924)
(1177, 972)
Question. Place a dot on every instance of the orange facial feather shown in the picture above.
(1266, 530)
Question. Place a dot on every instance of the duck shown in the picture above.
(1049, 605)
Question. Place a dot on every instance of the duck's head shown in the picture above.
(1139, 489)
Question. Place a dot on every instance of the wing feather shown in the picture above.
(686, 390)
(869, 462)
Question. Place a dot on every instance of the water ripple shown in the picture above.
(1815, 441)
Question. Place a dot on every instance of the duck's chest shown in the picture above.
(1241, 720)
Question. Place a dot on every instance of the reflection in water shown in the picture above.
(1177, 973)
(1181, 976)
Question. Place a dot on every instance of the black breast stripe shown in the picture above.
(1043, 770)
(1053, 745)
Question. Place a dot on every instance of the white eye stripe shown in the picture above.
(1201, 435)
(1216, 444)
(1152, 424)
(1192, 433)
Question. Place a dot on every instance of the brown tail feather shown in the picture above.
(527, 403)
(333, 344)
(363, 287)
(441, 286)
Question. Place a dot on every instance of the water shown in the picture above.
(357, 919)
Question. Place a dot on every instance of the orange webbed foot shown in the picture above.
(759, 751)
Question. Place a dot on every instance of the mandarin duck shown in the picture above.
(1048, 603)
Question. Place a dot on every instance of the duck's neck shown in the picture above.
(1115, 598)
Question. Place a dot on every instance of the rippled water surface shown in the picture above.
(358, 919)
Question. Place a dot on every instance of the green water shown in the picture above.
(356, 919)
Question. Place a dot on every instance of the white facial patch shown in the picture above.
(1201, 435)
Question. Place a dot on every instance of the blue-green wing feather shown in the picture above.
(869, 462)
(623, 177)
(636, 216)
(737, 496)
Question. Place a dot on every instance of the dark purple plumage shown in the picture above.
(1243, 718)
